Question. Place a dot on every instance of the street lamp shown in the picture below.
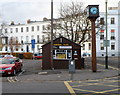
(52, 35)
(106, 57)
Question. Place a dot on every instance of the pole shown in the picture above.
(52, 35)
(106, 57)
(94, 67)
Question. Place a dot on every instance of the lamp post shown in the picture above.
(52, 35)
(106, 57)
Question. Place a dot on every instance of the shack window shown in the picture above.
(62, 54)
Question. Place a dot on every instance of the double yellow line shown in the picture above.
(72, 92)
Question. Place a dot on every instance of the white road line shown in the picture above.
(21, 72)
(9, 79)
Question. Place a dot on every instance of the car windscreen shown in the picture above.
(1, 56)
(6, 61)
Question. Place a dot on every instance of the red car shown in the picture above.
(10, 66)
(37, 56)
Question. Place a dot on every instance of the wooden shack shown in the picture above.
(63, 51)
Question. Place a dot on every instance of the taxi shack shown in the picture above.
(63, 51)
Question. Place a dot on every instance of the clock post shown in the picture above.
(93, 14)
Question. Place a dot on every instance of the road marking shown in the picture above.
(109, 90)
(8, 79)
(108, 66)
(85, 90)
(21, 72)
(86, 83)
(69, 88)
(12, 79)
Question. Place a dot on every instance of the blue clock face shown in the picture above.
(93, 10)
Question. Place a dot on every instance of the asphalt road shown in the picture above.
(11, 85)
(112, 61)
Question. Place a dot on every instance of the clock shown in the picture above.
(93, 10)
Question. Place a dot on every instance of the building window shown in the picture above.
(32, 28)
(27, 29)
(6, 30)
(38, 47)
(16, 48)
(11, 30)
(43, 27)
(101, 46)
(43, 38)
(32, 37)
(62, 54)
(102, 21)
(22, 29)
(27, 38)
(16, 30)
(21, 49)
(38, 39)
(112, 34)
(38, 28)
(83, 47)
(113, 55)
(113, 20)
(6, 48)
(101, 34)
(112, 46)
(21, 39)
(89, 47)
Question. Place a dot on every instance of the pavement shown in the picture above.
(64, 75)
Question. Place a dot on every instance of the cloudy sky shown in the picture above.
(21, 10)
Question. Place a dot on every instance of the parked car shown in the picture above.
(1, 56)
(8, 55)
(37, 56)
(10, 66)
(86, 55)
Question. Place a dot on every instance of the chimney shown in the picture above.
(12, 23)
(28, 21)
(45, 19)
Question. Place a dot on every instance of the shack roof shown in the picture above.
(63, 42)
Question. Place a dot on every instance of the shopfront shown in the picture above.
(63, 51)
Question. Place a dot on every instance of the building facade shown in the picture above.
(113, 33)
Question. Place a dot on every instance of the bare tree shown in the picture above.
(74, 22)
(13, 44)
(3, 34)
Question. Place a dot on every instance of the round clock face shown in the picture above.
(93, 10)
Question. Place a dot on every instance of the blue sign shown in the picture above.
(33, 43)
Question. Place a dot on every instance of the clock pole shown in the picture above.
(94, 67)
(92, 12)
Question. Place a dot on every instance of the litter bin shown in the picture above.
(71, 66)
(82, 62)
(21, 56)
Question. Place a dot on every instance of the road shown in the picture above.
(13, 86)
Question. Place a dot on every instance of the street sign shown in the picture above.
(33, 43)
(106, 43)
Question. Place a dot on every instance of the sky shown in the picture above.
(20, 11)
